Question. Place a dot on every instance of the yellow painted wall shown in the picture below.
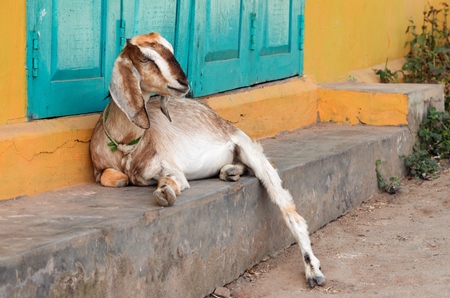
(292, 104)
(344, 35)
(340, 36)
(44, 155)
(12, 61)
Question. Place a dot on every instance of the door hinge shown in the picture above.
(301, 25)
(252, 31)
(35, 55)
(121, 34)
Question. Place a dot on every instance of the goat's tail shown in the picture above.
(251, 154)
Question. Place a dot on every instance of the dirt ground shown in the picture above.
(391, 246)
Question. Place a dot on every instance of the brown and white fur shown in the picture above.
(196, 144)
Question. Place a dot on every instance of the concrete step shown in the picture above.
(91, 241)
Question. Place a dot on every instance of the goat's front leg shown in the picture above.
(232, 172)
(167, 191)
(113, 178)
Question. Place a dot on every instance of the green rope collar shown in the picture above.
(125, 148)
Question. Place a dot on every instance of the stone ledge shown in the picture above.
(99, 242)
(379, 104)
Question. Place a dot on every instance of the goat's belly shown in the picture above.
(208, 162)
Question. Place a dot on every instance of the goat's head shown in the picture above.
(145, 66)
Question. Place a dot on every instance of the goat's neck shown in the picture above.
(119, 127)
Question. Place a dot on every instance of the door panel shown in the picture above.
(277, 56)
(73, 66)
(159, 16)
(276, 27)
(221, 32)
(77, 38)
(224, 20)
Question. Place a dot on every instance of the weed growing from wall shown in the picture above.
(432, 147)
(390, 185)
(428, 60)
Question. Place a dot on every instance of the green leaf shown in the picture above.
(135, 141)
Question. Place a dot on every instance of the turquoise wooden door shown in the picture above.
(69, 67)
(239, 43)
(72, 46)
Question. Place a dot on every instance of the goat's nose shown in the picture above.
(183, 82)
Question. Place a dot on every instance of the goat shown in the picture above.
(193, 143)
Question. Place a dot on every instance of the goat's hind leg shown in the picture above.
(299, 229)
(251, 154)
(232, 172)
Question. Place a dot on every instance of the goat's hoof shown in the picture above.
(320, 280)
(317, 279)
(233, 178)
(231, 173)
(312, 270)
(165, 195)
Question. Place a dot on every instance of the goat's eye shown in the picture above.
(145, 60)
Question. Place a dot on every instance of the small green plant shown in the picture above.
(433, 144)
(434, 134)
(387, 75)
(391, 186)
(421, 165)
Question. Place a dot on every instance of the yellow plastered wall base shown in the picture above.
(45, 155)
(266, 111)
(344, 106)
(50, 154)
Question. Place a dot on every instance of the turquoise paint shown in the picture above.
(78, 43)
(219, 27)
(216, 42)
(73, 66)
(241, 43)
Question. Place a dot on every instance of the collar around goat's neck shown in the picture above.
(124, 148)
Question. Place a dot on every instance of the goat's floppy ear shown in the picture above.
(126, 92)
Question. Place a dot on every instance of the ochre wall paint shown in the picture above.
(44, 155)
(345, 35)
(340, 36)
(292, 104)
(354, 107)
(13, 95)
